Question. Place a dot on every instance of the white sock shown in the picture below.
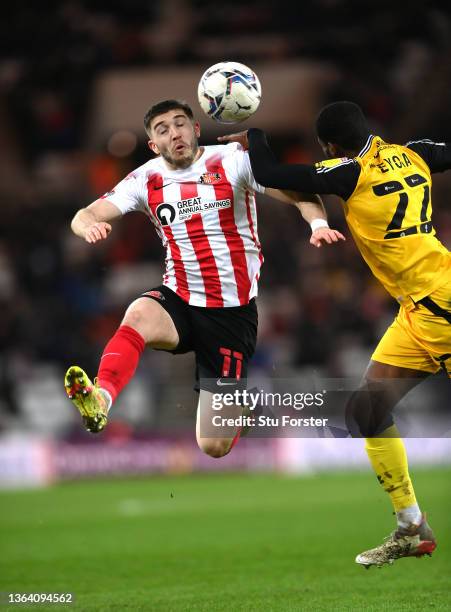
(408, 516)
(107, 396)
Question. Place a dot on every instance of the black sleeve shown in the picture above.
(338, 180)
(437, 155)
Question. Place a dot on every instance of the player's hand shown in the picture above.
(327, 234)
(240, 137)
(97, 231)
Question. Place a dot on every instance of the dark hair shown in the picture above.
(344, 124)
(163, 107)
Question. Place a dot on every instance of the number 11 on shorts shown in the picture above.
(230, 355)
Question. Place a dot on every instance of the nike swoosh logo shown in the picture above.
(221, 383)
(178, 183)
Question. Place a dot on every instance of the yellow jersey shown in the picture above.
(386, 191)
(389, 215)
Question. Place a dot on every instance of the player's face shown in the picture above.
(174, 136)
(329, 149)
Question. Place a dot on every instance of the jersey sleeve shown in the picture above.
(244, 170)
(128, 195)
(437, 155)
(336, 176)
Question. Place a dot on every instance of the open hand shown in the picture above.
(240, 137)
(327, 234)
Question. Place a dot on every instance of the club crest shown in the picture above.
(210, 178)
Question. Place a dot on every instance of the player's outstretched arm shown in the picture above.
(290, 185)
(313, 212)
(92, 223)
(307, 178)
(315, 215)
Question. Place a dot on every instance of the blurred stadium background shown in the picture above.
(75, 80)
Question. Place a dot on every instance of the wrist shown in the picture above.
(317, 223)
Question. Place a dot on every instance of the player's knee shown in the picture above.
(155, 325)
(141, 317)
(134, 317)
(214, 447)
(368, 411)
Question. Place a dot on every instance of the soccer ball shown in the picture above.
(229, 92)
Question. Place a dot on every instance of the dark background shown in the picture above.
(60, 299)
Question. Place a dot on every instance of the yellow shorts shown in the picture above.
(419, 339)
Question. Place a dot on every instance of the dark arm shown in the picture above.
(340, 180)
(437, 155)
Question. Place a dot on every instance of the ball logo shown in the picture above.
(165, 214)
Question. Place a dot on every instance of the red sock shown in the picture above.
(120, 360)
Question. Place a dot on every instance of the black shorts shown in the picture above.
(223, 339)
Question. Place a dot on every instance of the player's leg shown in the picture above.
(370, 409)
(225, 340)
(146, 322)
(217, 439)
(384, 386)
(399, 363)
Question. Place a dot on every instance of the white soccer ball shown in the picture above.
(229, 92)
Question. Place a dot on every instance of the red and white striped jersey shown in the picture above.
(206, 218)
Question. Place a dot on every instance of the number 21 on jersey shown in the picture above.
(394, 228)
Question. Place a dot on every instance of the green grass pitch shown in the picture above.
(221, 542)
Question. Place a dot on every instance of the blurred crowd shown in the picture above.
(51, 56)
(61, 299)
